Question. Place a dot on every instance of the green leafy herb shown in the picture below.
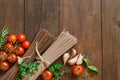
(86, 61)
(93, 68)
(58, 71)
(55, 68)
(3, 39)
(90, 67)
(27, 69)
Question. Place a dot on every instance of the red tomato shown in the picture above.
(21, 37)
(9, 47)
(26, 44)
(78, 70)
(20, 51)
(12, 57)
(12, 38)
(47, 75)
(4, 66)
(3, 55)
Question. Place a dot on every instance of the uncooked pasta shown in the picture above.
(63, 43)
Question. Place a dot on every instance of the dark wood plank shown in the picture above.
(12, 15)
(41, 14)
(83, 19)
(1, 15)
(111, 39)
(50, 16)
(33, 11)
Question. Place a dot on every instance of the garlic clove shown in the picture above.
(73, 60)
(74, 52)
(80, 59)
(66, 56)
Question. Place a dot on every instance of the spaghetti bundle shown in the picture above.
(63, 43)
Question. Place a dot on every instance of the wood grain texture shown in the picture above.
(1, 15)
(111, 39)
(41, 14)
(33, 11)
(83, 19)
(12, 15)
(50, 16)
(96, 24)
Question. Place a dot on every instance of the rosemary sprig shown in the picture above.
(3, 36)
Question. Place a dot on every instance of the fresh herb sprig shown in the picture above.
(90, 67)
(3, 36)
(58, 71)
(55, 69)
(27, 69)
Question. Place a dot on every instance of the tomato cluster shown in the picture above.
(14, 47)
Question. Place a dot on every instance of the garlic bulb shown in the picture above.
(74, 52)
(73, 60)
(80, 59)
(66, 56)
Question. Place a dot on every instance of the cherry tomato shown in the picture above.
(47, 75)
(21, 37)
(9, 47)
(26, 44)
(78, 70)
(3, 56)
(20, 51)
(12, 57)
(12, 38)
(4, 66)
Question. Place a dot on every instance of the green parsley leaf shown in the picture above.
(27, 69)
(55, 69)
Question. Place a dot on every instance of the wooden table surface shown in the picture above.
(96, 24)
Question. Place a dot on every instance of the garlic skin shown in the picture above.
(66, 56)
(73, 60)
(74, 52)
(80, 59)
